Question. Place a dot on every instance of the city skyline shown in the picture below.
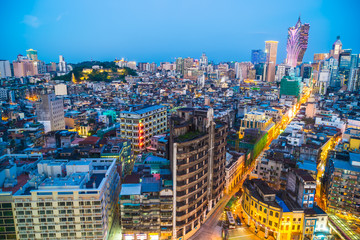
(222, 30)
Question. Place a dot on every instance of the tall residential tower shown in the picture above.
(297, 43)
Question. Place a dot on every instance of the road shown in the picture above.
(211, 230)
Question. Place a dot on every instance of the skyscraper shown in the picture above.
(271, 52)
(337, 48)
(258, 56)
(297, 43)
(32, 54)
(5, 70)
(204, 61)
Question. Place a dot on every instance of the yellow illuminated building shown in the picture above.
(354, 143)
(267, 213)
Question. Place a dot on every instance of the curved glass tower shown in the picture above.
(297, 43)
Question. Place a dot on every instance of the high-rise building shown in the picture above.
(141, 124)
(23, 68)
(258, 56)
(5, 70)
(180, 65)
(337, 48)
(146, 200)
(344, 66)
(291, 86)
(297, 43)
(50, 112)
(281, 71)
(62, 64)
(32, 54)
(64, 199)
(354, 79)
(204, 61)
(343, 182)
(188, 63)
(198, 159)
(271, 53)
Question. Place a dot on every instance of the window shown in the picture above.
(276, 214)
(270, 223)
(271, 213)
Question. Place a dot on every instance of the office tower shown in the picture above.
(297, 43)
(62, 64)
(39, 67)
(180, 65)
(305, 70)
(50, 112)
(354, 62)
(5, 70)
(354, 79)
(258, 56)
(188, 63)
(67, 200)
(281, 71)
(324, 81)
(271, 52)
(344, 66)
(343, 181)
(32, 54)
(197, 158)
(146, 200)
(204, 61)
(23, 68)
(337, 48)
(141, 124)
(333, 65)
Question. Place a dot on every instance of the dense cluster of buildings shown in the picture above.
(151, 155)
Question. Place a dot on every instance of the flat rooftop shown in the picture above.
(144, 110)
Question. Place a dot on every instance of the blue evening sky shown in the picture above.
(160, 30)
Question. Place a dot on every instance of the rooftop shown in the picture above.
(130, 189)
(144, 110)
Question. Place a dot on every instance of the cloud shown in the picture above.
(31, 21)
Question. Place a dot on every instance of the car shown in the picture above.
(238, 222)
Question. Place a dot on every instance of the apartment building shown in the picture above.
(198, 161)
(141, 124)
(61, 199)
(146, 200)
(343, 182)
(50, 112)
(234, 170)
